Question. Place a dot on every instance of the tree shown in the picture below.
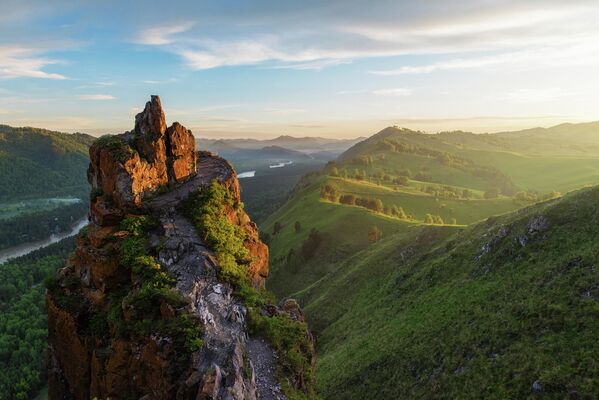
(334, 171)
(265, 237)
(328, 192)
(298, 227)
(492, 193)
(374, 234)
(454, 221)
(277, 228)
(402, 180)
(290, 256)
(438, 220)
(311, 244)
(466, 194)
(347, 199)
(398, 212)
(428, 219)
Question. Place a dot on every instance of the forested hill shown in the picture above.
(37, 162)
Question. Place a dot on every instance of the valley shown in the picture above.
(407, 237)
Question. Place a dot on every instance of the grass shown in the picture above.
(429, 315)
(345, 229)
(419, 204)
(426, 312)
(543, 172)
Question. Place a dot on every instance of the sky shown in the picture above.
(337, 68)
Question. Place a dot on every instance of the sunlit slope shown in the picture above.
(418, 203)
(561, 158)
(343, 231)
(543, 173)
(507, 308)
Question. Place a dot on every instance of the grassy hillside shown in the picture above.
(560, 159)
(416, 297)
(40, 163)
(507, 308)
(342, 230)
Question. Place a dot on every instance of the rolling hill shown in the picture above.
(506, 308)
(407, 235)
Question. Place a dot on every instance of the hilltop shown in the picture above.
(41, 163)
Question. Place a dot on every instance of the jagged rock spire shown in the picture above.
(151, 120)
(125, 168)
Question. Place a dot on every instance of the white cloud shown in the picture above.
(395, 92)
(341, 32)
(162, 35)
(25, 62)
(563, 54)
(214, 54)
(316, 65)
(97, 96)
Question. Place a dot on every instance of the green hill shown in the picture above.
(40, 163)
(415, 297)
(503, 309)
(561, 158)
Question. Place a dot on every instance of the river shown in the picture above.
(27, 248)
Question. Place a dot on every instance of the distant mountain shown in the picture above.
(42, 163)
(266, 153)
(303, 144)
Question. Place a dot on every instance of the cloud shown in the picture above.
(25, 62)
(396, 92)
(560, 55)
(96, 97)
(338, 32)
(312, 65)
(162, 35)
(241, 52)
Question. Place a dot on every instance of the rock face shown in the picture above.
(126, 168)
(151, 171)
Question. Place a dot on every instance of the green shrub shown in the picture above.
(289, 339)
(206, 208)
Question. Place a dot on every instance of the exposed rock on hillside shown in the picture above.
(147, 307)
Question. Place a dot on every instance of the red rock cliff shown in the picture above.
(115, 334)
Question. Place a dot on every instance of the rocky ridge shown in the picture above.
(114, 334)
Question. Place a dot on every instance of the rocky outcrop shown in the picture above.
(114, 334)
(125, 168)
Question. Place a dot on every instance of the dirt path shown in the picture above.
(264, 361)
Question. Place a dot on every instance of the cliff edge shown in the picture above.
(164, 296)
